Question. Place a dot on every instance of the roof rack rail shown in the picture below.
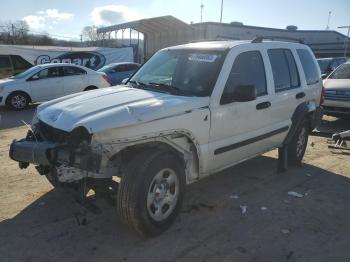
(208, 40)
(259, 39)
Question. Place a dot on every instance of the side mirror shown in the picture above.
(34, 77)
(324, 76)
(244, 93)
(124, 81)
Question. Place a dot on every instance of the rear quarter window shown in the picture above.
(309, 66)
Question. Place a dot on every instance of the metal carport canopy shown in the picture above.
(153, 25)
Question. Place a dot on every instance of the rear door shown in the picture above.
(73, 80)
(46, 84)
(312, 75)
(288, 87)
(119, 74)
(5, 67)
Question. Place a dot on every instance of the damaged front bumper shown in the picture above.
(45, 153)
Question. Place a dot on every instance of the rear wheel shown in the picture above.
(297, 147)
(151, 192)
(18, 101)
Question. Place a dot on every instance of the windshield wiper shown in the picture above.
(168, 87)
(138, 84)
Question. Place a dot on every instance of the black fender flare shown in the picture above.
(300, 113)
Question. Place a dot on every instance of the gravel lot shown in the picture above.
(38, 223)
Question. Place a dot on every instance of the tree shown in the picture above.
(14, 32)
(90, 33)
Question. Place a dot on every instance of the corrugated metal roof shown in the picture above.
(153, 25)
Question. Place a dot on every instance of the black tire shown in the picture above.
(297, 147)
(138, 180)
(18, 101)
(90, 88)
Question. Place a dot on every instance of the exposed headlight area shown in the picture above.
(71, 139)
(49, 146)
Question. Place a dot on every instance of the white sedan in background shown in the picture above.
(48, 81)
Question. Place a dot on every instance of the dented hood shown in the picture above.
(114, 107)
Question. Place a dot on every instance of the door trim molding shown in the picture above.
(249, 141)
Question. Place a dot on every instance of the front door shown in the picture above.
(46, 84)
(240, 130)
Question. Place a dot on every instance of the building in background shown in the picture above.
(160, 32)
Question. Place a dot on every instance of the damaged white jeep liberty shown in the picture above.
(190, 111)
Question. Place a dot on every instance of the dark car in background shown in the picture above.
(12, 65)
(117, 72)
(327, 65)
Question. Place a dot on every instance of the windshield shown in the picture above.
(26, 73)
(342, 72)
(183, 72)
(105, 69)
(324, 64)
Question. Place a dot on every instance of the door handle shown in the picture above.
(300, 95)
(263, 105)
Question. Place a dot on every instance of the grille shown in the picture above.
(339, 95)
(51, 134)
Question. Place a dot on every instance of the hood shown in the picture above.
(337, 84)
(113, 107)
(6, 81)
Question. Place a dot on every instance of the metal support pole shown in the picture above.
(138, 47)
(222, 5)
(346, 40)
(130, 36)
(123, 37)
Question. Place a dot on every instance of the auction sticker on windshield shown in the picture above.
(202, 58)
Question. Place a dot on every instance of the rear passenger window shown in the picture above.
(285, 72)
(248, 69)
(71, 71)
(309, 66)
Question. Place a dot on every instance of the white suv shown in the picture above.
(190, 111)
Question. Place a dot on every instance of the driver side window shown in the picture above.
(248, 69)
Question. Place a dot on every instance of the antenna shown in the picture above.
(329, 19)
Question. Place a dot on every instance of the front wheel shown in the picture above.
(18, 101)
(151, 192)
(297, 147)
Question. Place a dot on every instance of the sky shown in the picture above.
(68, 17)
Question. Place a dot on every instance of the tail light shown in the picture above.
(105, 77)
(322, 95)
